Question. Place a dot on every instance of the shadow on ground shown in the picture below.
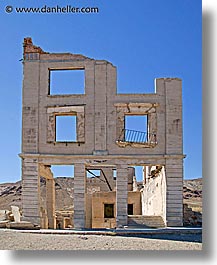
(195, 238)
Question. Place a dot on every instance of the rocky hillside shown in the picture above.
(10, 194)
(192, 199)
(192, 193)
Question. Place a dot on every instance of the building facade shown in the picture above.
(101, 140)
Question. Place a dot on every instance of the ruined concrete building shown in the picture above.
(101, 142)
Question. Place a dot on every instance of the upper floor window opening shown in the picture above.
(136, 128)
(66, 81)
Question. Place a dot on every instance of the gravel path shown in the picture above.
(16, 240)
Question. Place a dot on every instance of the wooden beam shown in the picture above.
(44, 171)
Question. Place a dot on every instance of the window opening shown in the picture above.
(114, 174)
(62, 171)
(130, 209)
(66, 128)
(66, 81)
(139, 172)
(108, 210)
(136, 128)
(93, 173)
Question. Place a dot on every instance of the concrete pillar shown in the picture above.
(131, 175)
(30, 106)
(122, 195)
(30, 190)
(79, 196)
(174, 197)
(173, 116)
(50, 198)
(100, 95)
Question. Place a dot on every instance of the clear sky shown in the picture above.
(145, 39)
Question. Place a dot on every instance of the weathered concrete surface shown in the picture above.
(100, 119)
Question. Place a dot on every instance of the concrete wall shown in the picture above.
(30, 190)
(153, 195)
(134, 197)
(101, 198)
(98, 201)
(100, 118)
(88, 211)
(100, 110)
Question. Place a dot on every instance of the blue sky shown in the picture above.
(145, 39)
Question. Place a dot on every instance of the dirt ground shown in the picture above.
(17, 240)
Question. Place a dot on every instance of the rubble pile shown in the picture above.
(13, 220)
(191, 218)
